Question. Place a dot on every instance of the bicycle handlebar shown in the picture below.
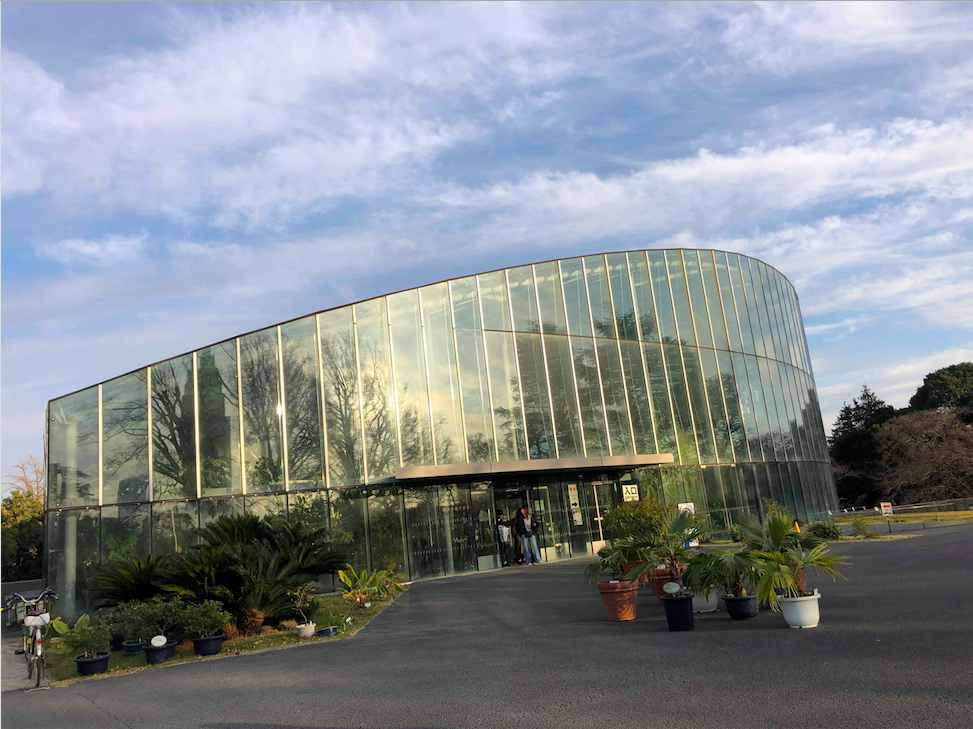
(17, 597)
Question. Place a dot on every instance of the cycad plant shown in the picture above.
(130, 578)
(669, 546)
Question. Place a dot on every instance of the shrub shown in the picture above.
(390, 583)
(860, 528)
(204, 620)
(829, 529)
(303, 600)
(773, 510)
(637, 519)
(86, 638)
(163, 616)
(131, 620)
(251, 621)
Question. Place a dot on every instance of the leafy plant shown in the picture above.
(86, 638)
(727, 570)
(615, 559)
(787, 569)
(357, 587)
(637, 519)
(303, 600)
(773, 510)
(668, 546)
(266, 578)
(204, 620)
(828, 529)
(776, 533)
(390, 583)
(162, 616)
(860, 528)
(130, 578)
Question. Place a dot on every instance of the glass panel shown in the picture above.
(174, 526)
(173, 430)
(740, 299)
(638, 267)
(650, 483)
(302, 399)
(522, 300)
(612, 382)
(73, 556)
(673, 486)
(536, 400)
(721, 425)
(763, 309)
(219, 420)
(72, 474)
(782, 414)
(663, 301)
(599, 296)
(444, 394)
(697, 395)
(764, 419)
(713, 301)
(309, 507)
(454, 518)
(773, 310)
(484, 526)
(575, 296)
(738, 434)
(589, 396)
(726, 297)
(753, 307)
(564, 397)
(776, 432)
(466, 310)
(714, 505)
(424, 532)
(341, 407)
(621, 290)
(680, 297)
(748, 407)
(262, 411)
(661, 408)
(493, 299)
(415, 430)
(799, 498)
(125, 532)
(505, 388)
(473, 371)
(749, 483)
(698, 299)
(549, 298)
(680, 406)
(785, 385)
(554, 520)
(210, 509)
(377, 390)
(269, 505)
(348, 524)
(736, 500)
(385, 529)
(763, 485)
(638, 397)
(125, 430)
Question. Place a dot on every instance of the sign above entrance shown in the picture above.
(540, 464)
(630, 492)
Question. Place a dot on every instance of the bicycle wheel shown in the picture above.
(38, 670)
(30, 667)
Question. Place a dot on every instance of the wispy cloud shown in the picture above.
(106, 252)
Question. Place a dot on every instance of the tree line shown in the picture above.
(920, 453)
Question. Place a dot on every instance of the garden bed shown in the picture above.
(329, 610)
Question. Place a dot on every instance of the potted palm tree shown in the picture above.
(731, 571)
(619, 594)
(204, 623)
(784, 571)
(668, 546)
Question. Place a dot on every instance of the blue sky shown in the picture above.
(173, 175)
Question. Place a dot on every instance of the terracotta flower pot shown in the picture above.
(659, 577)
(620, 598)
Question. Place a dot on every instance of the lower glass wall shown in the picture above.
(433, 530)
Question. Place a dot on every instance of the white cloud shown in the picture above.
(106, 252)
(849, 325)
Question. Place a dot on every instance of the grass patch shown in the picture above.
(330, 610)
(929, 516)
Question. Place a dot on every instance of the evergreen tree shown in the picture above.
(855, 449)
(949, 387)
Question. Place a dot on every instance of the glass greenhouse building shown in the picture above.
(405, 421)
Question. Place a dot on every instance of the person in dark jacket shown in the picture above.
(503, 536)
(526, 527)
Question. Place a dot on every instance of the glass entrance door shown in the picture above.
(484, 526)
(553, 516)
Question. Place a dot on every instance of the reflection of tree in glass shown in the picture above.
(341, 408)
(173, 527)
(218, 414)
(124, 534)
(261, 410)
(378, 411)
(174, 448)
(385, 529)
(304, 439)
(126, 437)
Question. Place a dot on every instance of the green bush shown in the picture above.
(163, 616)
(86, 638)
(861, 529)
(637, 519)
(205, 620)
(829, 529)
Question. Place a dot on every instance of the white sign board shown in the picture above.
(575, 504)
(630, 492)
(689, 506)
(886, 508)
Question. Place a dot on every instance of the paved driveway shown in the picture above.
(530, 647)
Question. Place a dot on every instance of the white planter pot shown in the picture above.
(306, 630)
(801, 612)
(702, 605)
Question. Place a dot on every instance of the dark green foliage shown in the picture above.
(163, 616)
(266, 578)
(23, 535)
(637, 519)
(829, 529)
(855, 449)
(948, 387)
(86, 638)
(205, 619)
(130, 578)
(227, 531)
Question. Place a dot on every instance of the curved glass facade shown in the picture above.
(578, 364)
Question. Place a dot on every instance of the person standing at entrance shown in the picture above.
(503, 536)
(526, 528)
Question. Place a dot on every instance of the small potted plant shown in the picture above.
(619, 594)
(204, 623)
(303, 600)
(162, 617)
(90, 640)
(669, 547)
(784, 571)
(131, 620)
(732, 570)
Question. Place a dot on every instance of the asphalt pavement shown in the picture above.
(530, 647)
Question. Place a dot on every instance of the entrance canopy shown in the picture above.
(452, 470)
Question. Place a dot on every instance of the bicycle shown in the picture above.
(36, 616)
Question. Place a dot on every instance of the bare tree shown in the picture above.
(28, 475)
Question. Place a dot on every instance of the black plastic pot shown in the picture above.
(742, 608)
(208, 646)
(133, 647)
(117, 642)
(160, 654)
(329, 632)
(91, 666)
(679, 612)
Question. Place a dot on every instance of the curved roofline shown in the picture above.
(410, 288)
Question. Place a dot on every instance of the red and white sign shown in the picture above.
(886, 508)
